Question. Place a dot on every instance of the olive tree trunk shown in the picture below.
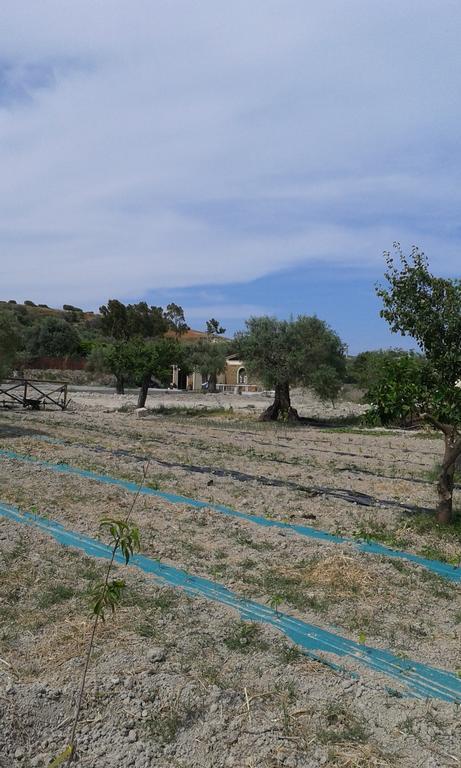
(212, 381)
(120, 384)
(143, 391)
(446, 479)
(281, 407)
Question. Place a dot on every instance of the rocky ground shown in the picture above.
(181, 682)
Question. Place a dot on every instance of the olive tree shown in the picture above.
(209, 357)
(284, 353)
(428, 309)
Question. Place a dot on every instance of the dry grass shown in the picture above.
(341, 571)
(340, 574)
(350, 755)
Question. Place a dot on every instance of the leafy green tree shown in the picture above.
(214, 327)
(52, 337)
(139, 361)
(119, 360)
(96, 359)
(428, 309)
(123, 322)
(366, 368)
(153, 359)
(209, 357)
(284, 353)
(174, 316)
(10, 341)
(132, 327)
(114, 319)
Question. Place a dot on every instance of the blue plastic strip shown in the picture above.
(418, 679)
(445, 570)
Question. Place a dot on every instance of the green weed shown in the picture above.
(245, 637)
(55, 595)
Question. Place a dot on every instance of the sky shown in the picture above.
(237, 158)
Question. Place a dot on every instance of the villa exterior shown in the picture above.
(233, 379)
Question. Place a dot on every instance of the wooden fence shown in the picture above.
(32, 393)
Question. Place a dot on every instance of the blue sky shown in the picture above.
(344, 297)
(236, 158)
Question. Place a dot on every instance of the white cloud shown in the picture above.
(347, 112)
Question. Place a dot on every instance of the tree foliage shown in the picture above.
(285, 353)
(52, 337)
(123, 322)
(214, 327)
(427, 308)
(366, 368)
(401, 391)
(138, 361)
(209, 357)
(139, 350)
(174, 317)
(10, 341)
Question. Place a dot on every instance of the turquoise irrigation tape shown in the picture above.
(445, 570)
(417, 679)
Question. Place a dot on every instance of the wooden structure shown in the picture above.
(33, 393)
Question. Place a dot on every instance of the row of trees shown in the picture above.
(137, 343)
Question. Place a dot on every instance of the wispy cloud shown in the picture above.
(225, 312)
(152, 145)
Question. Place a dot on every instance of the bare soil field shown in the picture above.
(183, 681)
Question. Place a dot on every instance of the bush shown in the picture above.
(53, 338)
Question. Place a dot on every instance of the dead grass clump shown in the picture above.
(342, 574)
(350, 755)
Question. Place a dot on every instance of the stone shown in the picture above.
(156, 654)
(141, 413)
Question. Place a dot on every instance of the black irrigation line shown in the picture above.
(278, 444)
(317, 450)
(335, 428)
(310, 448)
(343, 494)
(419, 480)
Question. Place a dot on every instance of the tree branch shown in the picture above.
(447, 429)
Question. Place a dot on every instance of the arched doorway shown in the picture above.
(241, 376)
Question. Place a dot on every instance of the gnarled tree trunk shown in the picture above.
(143, 391)
(281, 407)
(120, 384)
(212, 381)
(445, 482)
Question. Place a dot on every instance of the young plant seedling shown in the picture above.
(107, 596)
(275, 601)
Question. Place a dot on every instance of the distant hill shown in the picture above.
(39, 311)
(31, 312)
